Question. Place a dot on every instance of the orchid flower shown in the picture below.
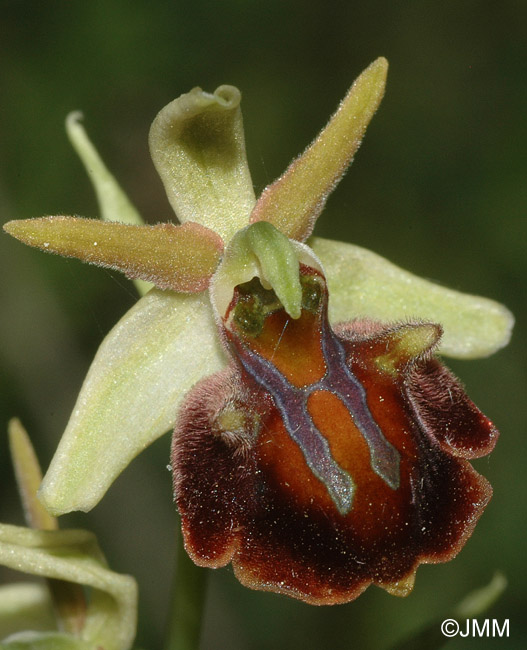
(319, 443)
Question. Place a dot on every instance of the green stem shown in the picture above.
(188, 599)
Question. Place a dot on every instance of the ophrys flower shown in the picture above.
(401, 420)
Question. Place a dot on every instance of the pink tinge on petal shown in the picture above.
(294, 202)
(178, 257)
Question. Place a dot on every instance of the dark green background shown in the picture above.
(438, 187)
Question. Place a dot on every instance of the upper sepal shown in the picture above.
(198, 148)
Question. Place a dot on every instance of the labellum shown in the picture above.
(322, 461)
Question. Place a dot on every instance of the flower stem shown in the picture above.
(188, 599)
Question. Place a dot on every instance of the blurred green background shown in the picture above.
(438, 188)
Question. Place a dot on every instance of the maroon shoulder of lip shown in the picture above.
(314, 471)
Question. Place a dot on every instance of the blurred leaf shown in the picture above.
(474, 604)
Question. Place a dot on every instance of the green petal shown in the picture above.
(260, 250)
(198, 148)
(363, 284)
(294, 202)
(130, 397)
(180, 258)
(74, 556)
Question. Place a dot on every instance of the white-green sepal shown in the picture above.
(363, 284)
(130, 397)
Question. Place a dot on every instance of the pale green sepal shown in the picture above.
(67, 598)
(198, 147)
(260, 250)
(114, 204)
(130, 397)
(24, 606)
(74, 556)
(28, 477)
(362, 284)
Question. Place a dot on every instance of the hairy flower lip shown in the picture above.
(248, 496)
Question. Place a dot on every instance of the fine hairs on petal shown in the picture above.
(181, 258)
(294, 202)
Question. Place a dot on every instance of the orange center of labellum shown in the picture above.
(303, 366)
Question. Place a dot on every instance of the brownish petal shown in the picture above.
(177, 257)
(294, 201)
(255, 487)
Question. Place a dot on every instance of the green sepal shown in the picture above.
(363, 284)
(141, 372)
(74, 556)
(198, 147)
(25, 606)
(114, 204)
